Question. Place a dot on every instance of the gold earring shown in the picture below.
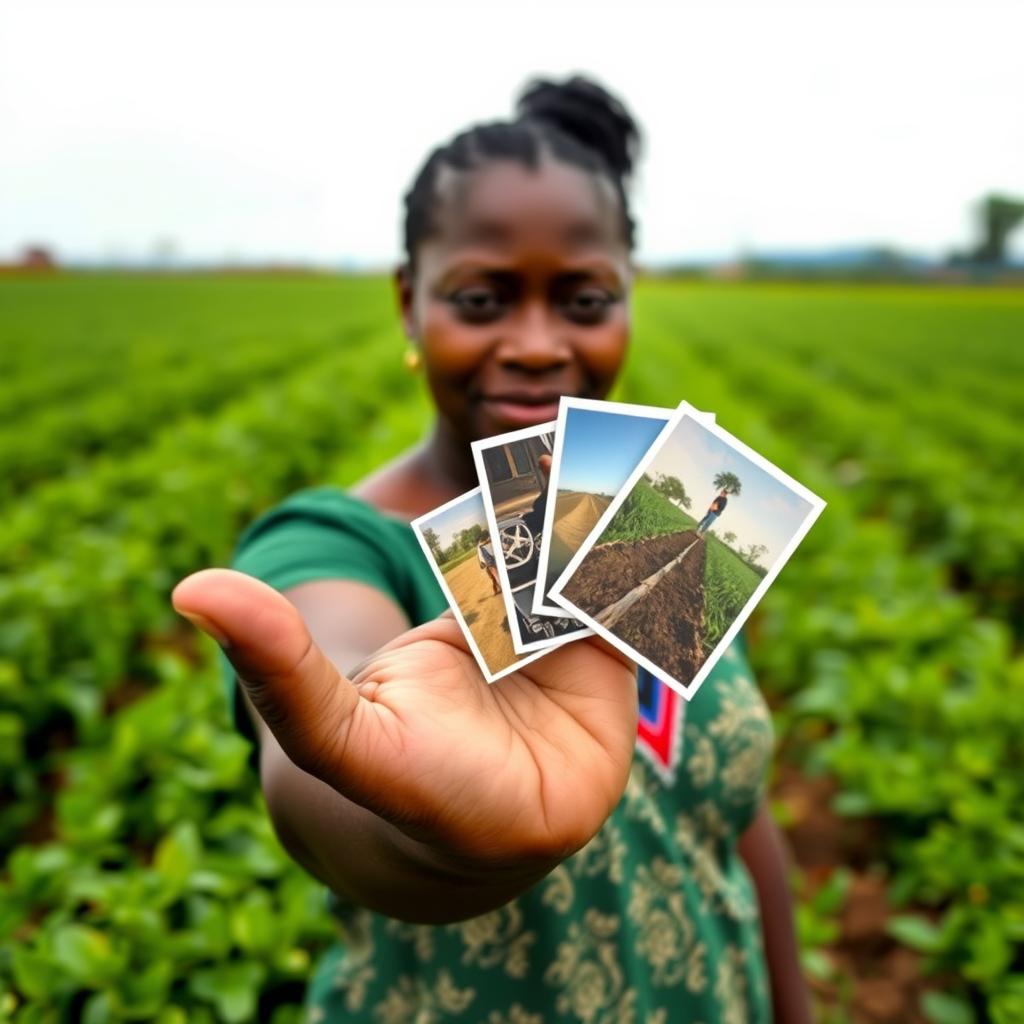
(411, 359)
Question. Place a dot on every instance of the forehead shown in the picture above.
(508, 207)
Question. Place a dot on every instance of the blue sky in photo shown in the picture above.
(601, 449)
(460, 516)
(766, 510)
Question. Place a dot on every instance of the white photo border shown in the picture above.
(479, 447)
(565, 404)
(704, 418)
(688, 690)
(418, 526)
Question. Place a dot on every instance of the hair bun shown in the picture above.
(588, 113)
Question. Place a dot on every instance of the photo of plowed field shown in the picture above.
(576, 514)
(664, 585)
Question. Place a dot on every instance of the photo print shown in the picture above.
(457, 542)
(513, 470)
(597, 447)
(686, 549)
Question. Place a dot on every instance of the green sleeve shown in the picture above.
(320, 533)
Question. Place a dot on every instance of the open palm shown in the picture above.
(529, 766)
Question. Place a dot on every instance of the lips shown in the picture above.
(510, 409)
(524, 397)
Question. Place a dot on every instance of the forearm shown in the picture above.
(764, 852)
(374, 864)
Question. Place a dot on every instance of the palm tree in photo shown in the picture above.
(729, 481)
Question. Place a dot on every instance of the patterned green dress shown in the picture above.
(654, 921)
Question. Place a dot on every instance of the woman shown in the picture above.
(500, 853)
(485, 558)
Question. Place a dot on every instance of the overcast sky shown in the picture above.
(291, 130)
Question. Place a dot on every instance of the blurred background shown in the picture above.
(199, 206)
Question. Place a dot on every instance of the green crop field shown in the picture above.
(645, 513)
(144, 421)
(729, 583)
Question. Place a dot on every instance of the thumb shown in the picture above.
(305, 701)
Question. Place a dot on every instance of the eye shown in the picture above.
(589, 305)
(477, 305)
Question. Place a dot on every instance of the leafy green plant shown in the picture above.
(645, 513)
(728, 584)
(143, 880)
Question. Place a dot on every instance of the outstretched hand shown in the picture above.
(528, 767)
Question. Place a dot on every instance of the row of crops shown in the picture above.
(144, 881)
(728, 584)
(144, 422)
(645, 513)
(892, 641)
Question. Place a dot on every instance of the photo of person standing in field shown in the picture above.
(456, 540)
(716, 508)
(485, 556)
(654, 580)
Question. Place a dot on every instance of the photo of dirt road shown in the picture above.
(576, 514)
(600, 443)
(484, 612)
(665, 624)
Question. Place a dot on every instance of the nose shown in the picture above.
(534, 340)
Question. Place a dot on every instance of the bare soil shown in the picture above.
(484, 612)
(612, 570)
(876, 981)
(665, 626)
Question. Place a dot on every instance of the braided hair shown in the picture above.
(577, 122)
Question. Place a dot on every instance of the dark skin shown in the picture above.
(521, 297)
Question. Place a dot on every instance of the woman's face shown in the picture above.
(521, 296)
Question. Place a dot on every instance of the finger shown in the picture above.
(308, 705)
(611, 650)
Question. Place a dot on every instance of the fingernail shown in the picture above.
(203, 623)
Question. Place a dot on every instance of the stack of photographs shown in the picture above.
(653, 528)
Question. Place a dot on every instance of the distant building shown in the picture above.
(34, 259)
(38, 257)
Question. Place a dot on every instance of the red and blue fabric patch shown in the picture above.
(659, 731)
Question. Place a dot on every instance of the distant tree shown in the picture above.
(730, 481)
(754, 553)
(672, 488)
(466, 539)
(999, 215)
(729, 538)
(433, 542)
